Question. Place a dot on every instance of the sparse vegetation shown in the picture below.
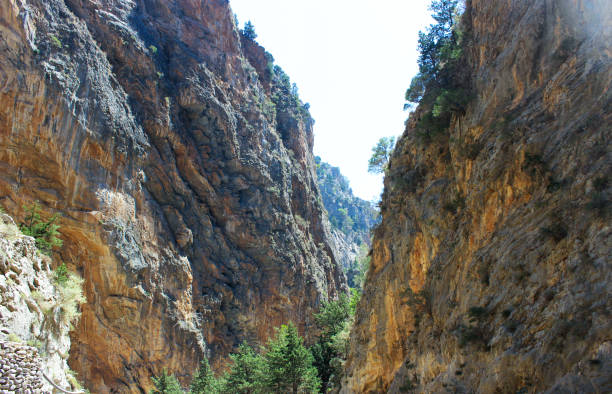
(600, 183)
(71, 297)
(470, 150)
(477, 313)
(347, 213)
(153, 49)
(357, 271)
(534, 164)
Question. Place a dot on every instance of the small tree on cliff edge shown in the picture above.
(249, 31)
(381, 153)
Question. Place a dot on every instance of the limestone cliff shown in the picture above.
(491, 269)
(181, 163)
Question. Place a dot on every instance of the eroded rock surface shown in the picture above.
(491, 269)
(182, 166)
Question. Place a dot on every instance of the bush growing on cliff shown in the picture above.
(71, 297)
(45, 232)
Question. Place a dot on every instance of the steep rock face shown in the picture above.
(186, 186)
(491, 269)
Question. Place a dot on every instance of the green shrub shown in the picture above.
(61, 274)
(55, 41)
(45, 232)
(12, 337)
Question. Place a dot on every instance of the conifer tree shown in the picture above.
(288, 364)
(381, 153)
(166, 384)
(43, 231)
(245, 374)
(204, 381)
(249, 31)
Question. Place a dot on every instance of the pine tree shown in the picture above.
(204, 381)
(43, 231)
(288, 364)
(381, 153)
(249, 31)
(166, 384)
(245, 374)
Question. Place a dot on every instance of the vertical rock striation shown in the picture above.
(491, 269)
(182, 166)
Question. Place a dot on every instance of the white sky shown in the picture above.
(352, 61)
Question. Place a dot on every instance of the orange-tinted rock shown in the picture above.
(180, 181)
(491, 269)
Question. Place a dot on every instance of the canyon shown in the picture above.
(179, 158)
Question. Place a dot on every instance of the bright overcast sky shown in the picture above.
(352, 61)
